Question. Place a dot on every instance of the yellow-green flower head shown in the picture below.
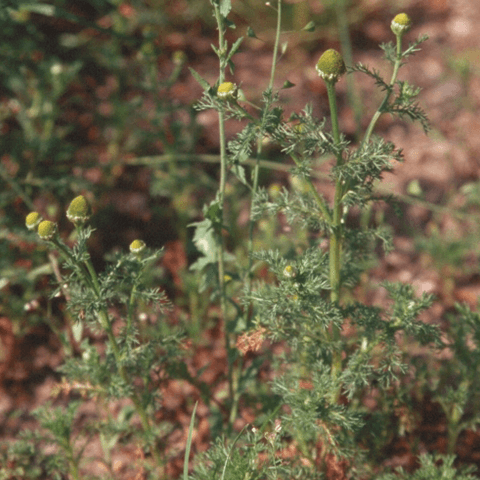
(227, 90)
(22, 15)
(331, 66)
(137, 246)
(289, 272)
(274, 190)
(299, 128)
(32, 220)
(78, 210)
(179, 57)
(47, 230)
(401, 24)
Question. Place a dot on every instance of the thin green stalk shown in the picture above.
(336, 235)
(236, 370)
(74, 472)
(251, 226)
(452, 437)
(67, 255)
(193, 158)
(277, 42)
(16, 188)
(107, 326)
(380, 110)
(131, 306)
(320, 201)
(256, 169)
(354, 98)
(229, 337)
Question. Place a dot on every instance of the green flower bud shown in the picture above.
(401, 24)
(137, 246)
(78, 210)
(227, 90)
(32, 220)
(331, 66)
(47, 230)
(299, 184)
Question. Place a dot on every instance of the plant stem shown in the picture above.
(453, 434)
(354, 98)
(14, 185)
(107, 326)
(381, 108)
(131, 306)
(320, 201)
(256, 172)
(229, 337)
(335, 238)
(67, 255)
(256, 169)
(255, 177)
(275, 48)
(73, 464)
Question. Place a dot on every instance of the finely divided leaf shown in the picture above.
(225, 7)
(205, 85)
(234, 48)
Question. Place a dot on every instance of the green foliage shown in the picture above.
(25, 458)
(305, 308)
(455, 385)
(126, 368)
(242, 458)
(433, 467)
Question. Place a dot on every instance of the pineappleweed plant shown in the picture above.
(323, 374)
(134, 358)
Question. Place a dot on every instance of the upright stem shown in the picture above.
(229, 337)
(131, 306)
(335, 236)
(107, 326)
(72, 463)
(354, 98)
(318, 198)
(255, 177)
(381, 108)
(256, 169)
(277, 41)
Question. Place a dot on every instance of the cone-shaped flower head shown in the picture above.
(78, 210)
(227, 90)
(289, 272)
(47, 230)
(137, 246)
(32, 220)
(331, 66)
(179, 57)
(401, 24)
